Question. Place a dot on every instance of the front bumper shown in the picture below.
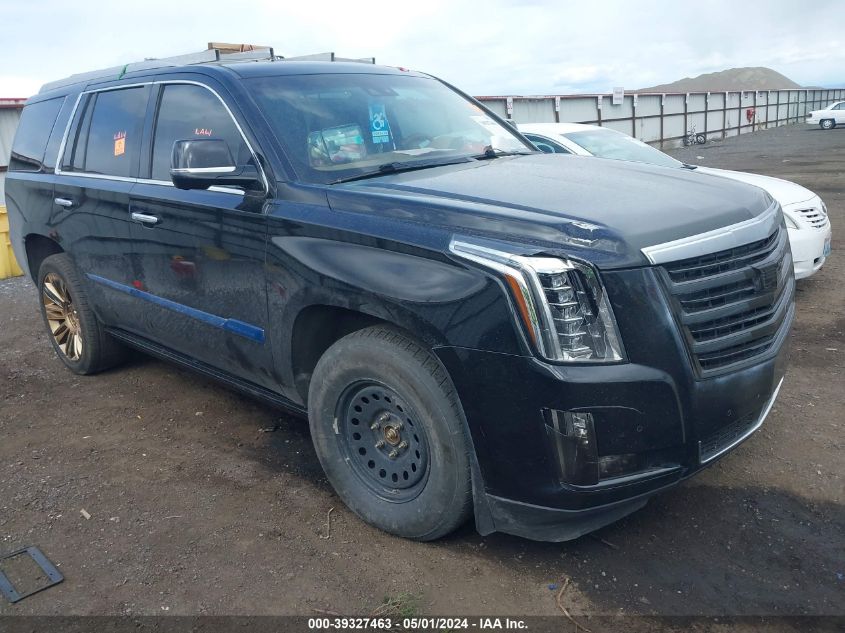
(808, 249)
(656, 406)
(638, 409)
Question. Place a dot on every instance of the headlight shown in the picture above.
(790, 223)
(561, 303)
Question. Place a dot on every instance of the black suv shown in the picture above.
(470, 326)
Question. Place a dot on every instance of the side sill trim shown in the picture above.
(257, 391)
(246, 330)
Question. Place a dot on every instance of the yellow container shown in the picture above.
(8, 264)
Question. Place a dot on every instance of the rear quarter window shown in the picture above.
(36, 124)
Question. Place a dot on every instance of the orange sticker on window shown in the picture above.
(119, 143)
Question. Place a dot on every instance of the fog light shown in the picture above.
(616, 465)
(574, 441)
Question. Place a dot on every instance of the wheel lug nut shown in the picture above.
(403, 445)
(393, 454)
(380, 444)
(375, 426)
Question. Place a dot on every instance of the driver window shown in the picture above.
(188, 111)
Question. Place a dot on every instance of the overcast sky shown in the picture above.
(485, 47)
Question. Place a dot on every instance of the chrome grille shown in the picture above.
(733, 305)
(815, 217)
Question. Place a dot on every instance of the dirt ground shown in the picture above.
(202, 501)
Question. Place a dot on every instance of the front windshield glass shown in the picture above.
(611, 144)
(339, 126)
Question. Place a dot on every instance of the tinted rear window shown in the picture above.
(34, 129)
(107, 133)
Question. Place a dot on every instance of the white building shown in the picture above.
(10, 114)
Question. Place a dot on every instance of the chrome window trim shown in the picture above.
(717, 240)
(168, 183)
(57, 170)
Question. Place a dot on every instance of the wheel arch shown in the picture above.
(38, 248)
(318, 326)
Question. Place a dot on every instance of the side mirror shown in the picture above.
(206, 162)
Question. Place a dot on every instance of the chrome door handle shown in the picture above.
(63, 202)
(143, 218)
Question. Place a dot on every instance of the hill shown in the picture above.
(749, 78)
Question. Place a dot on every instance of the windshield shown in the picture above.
(611, 144)
(339, 126)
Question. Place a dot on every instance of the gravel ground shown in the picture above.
(202, 501)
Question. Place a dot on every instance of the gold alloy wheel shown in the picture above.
(62, 316)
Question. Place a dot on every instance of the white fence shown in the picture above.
(664, 119)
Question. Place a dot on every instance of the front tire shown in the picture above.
(78, 337)
(389, 432)
(827, 124)
(700, 139)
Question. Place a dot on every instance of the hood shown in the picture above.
(601, 210)
(784, 191)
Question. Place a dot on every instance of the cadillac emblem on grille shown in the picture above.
(766, 277)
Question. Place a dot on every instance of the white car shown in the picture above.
(829, 117)
(805, 213)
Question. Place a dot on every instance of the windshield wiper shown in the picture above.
(396, 167)
(490, 152)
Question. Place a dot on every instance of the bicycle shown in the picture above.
(694, 139)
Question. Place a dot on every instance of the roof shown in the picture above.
(554, 129)
(12, 102)
(257, 63)
(282, 67)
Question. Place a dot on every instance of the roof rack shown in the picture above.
(203, 57)
(329, 57)
(209, 56)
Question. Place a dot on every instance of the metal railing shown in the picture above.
(664, 119)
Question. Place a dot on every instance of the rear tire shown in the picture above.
(389, 432)
(76, 333)
(827, 124)
(700, 139)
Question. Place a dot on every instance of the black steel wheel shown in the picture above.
(390, 434)
(386, 448)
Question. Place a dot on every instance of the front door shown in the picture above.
(199, 254)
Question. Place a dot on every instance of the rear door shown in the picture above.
(97, 170)
(839, 113)
(200, 253)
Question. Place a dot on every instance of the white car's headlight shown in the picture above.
(561, 302)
